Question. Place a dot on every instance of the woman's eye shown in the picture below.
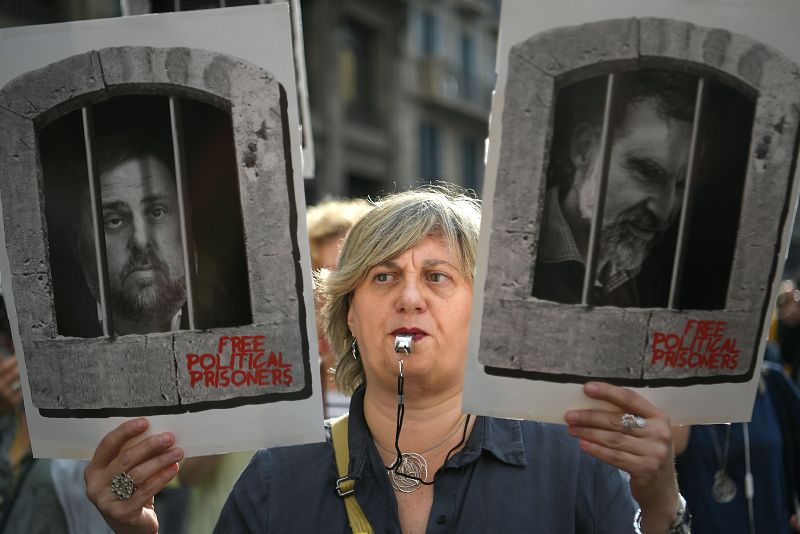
(382, 277)
(437, 277)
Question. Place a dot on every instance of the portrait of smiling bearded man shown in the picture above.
(650, 136)
(141, 224)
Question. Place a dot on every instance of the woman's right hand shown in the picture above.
(151, 463)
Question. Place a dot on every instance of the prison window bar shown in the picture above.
(96, 201)
(688, 198)
(600, 194)
(183, 208)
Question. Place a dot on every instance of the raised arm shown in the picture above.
(150, 463)
(641, 447)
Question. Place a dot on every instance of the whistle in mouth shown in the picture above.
(402, 343)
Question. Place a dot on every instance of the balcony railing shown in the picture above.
(438, 79)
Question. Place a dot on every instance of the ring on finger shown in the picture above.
(123, 486)
(631, 422)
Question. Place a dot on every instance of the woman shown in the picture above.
(406, 269)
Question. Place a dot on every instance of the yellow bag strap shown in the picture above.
(346, 486)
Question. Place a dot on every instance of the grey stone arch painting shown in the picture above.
(151, 230)
(644, 178)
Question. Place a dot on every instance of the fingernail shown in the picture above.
(176, 454)
(591, 388)
(166, 438)
(571, 417)
(139, 424)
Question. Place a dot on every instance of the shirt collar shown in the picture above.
(557, 243)
(502, 438)
(358, 435)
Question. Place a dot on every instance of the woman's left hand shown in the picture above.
(644, 452)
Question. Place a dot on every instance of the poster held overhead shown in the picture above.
(640, 194)
(154, 231)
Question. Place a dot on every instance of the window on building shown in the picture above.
(430, 151)
(429, 33)
(469, 89)
(357, 75)
(18, 12)
(234, 3)
(472, 163)
(191, 5)
(167, 6)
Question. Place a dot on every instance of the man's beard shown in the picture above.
(623, 247)
(619, 245)
(157, 297)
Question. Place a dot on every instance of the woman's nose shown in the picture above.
(411, 297)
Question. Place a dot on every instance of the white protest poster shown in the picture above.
(155, 257)
(640, 190)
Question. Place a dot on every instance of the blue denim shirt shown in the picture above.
(511, 476)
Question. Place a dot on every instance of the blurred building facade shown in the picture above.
(399, 90)
(27, 12)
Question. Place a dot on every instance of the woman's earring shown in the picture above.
(353, 349)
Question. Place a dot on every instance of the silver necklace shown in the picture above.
(413, 464)
(723, 489)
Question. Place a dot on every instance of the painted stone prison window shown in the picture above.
(150, 225)
(643, 183)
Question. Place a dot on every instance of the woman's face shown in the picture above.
(420, 292)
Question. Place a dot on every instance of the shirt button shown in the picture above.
(442, 519)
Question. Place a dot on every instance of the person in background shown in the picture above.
(715, 461)
(787, 327)
(37, 495)
(209, 480)
(28, 502)
(328, 224)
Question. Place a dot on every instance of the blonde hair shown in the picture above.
(331, 219)
(396, 223)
